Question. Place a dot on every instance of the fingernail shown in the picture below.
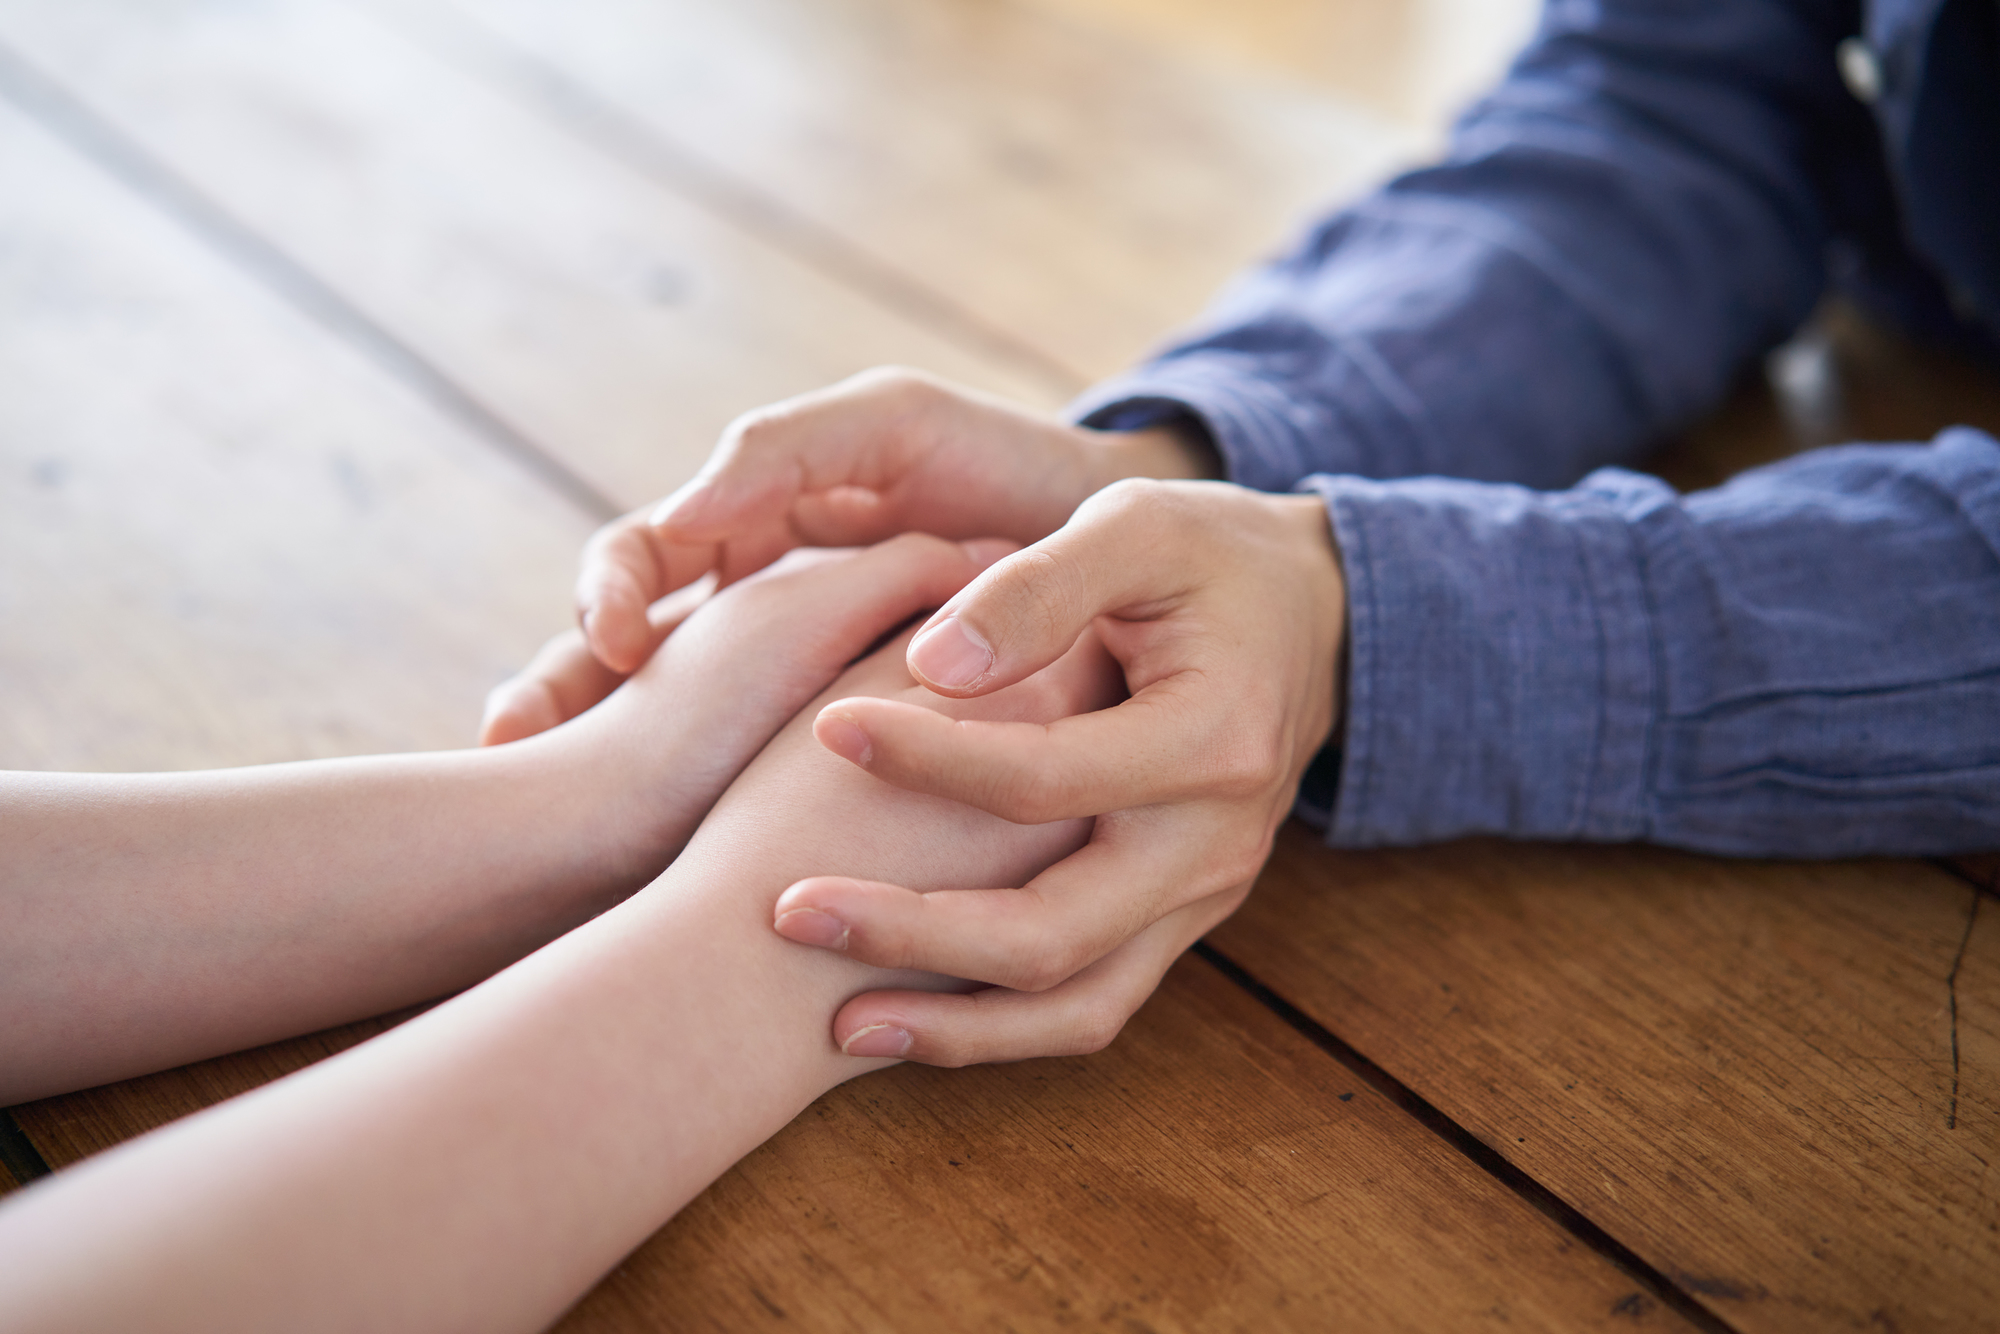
(583, 624)
(951, 653)
(841, 735)
(809, 926)
(877, 1040)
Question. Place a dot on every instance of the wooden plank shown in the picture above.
(1743, 1071)
(1212, 1170)
(1415, 61)
(228, 537)
(1983, 869)
(1038, 1195)
(1078, 191)
(603, 317)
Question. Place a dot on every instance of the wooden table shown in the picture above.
(332, 328)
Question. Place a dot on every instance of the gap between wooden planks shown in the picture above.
(1741, 1070)
(599, 315)
(228, 537)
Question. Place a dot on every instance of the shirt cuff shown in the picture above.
(1501, 659)
(1268, 437)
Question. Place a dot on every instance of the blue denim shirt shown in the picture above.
(1804, 662)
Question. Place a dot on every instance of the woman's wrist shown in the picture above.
(614, 795)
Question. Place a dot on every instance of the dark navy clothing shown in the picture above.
(1803, 662)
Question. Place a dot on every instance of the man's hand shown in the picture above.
(886, 452)
(1225, 607)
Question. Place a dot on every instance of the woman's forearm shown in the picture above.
(154, 919)
(479, 1166)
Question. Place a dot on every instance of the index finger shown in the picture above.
(1179, 738)
(629, 565)
(852, 434)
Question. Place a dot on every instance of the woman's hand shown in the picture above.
(664, 744)
(1225, 608)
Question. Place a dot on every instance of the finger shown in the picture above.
(1122, 553)
(1081, 1016)
(1133, 872)
(829, 612)
(1177, 739)
(565, 678)
(561, 681)
(627, 567)
(852, 434)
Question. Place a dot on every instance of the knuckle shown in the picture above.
(1247, 762)
(946, 1054)
(601, 546)
(1143, 507)
(1037, 794)
(1243, 857)
(1098, 1025)
(1036, 591)
(891, 381)
(1045, 969)
(1133, 496)
(758, 431)
(915, 547)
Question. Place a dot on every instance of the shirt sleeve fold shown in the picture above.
(1641, 206)
(1804, 662)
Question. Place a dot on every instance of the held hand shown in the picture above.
(663, 745)
(1225, 609)
(885, 452)
(563, 680)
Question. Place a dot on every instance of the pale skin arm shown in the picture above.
(152, 919)
(480, 1166)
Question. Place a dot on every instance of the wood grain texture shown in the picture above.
(1415, 61)
(1079, 192)
(225, 536)
(602, 316)
(1983, 869)
(1743, 1071)
(1210, 1171)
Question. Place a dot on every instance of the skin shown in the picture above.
(448, 1161)
(154, 919)
(1225, 608)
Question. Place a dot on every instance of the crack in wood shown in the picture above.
(1578, 1225)
(1951, 999)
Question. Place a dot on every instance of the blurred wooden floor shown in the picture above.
(329, 328)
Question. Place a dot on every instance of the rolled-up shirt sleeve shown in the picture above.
(1804, 662)
(1643, 204)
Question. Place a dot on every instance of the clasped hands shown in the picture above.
(1224, 607)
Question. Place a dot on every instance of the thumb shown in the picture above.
(1116, 554)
